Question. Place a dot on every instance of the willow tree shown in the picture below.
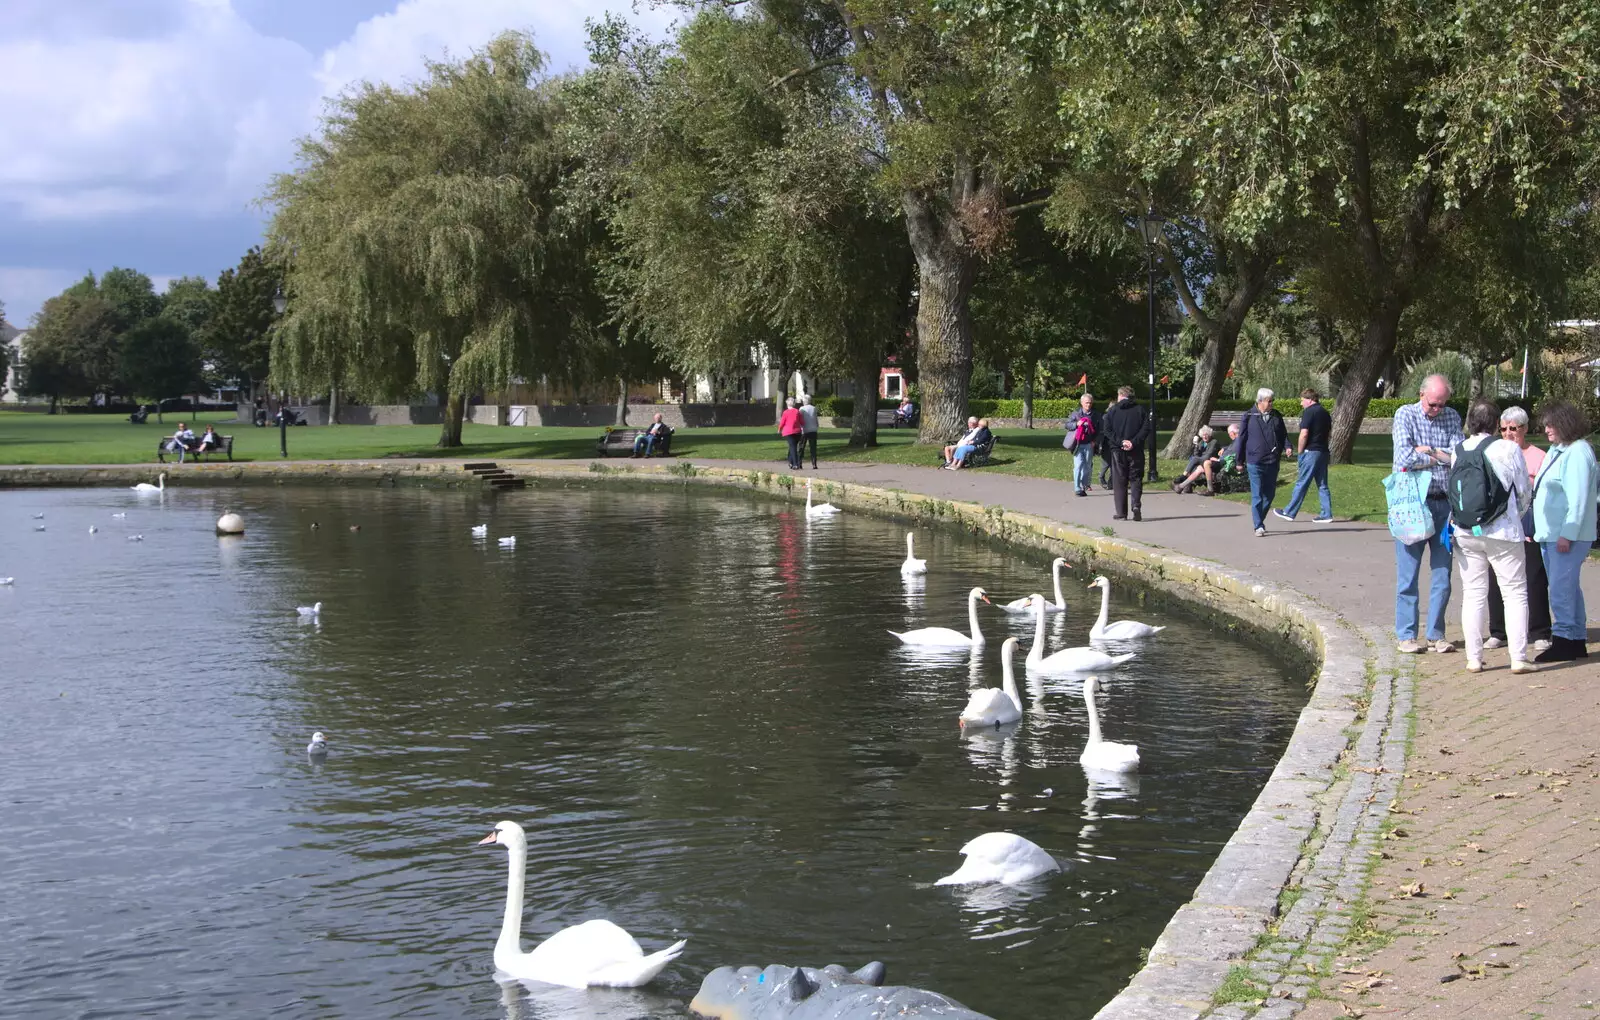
(740, 203)
(416, 234)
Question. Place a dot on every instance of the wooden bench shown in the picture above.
(891, 418)
(979, 456)
(622, 440)
(196, 453)
(1222, 419)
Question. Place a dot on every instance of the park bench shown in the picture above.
(890, 417)
(1222, 419)
(621, 441)
(196, 453)
(979, 456)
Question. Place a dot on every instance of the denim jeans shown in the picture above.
(1313, 468)
(1263, 486)
(793, 439)
(1083, 466)
(1408, 567)
(1569, 618)
(645, 440)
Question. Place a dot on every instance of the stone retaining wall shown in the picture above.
(640, 415)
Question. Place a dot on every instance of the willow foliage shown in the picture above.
(419, 234)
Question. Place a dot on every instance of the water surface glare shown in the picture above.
(688, 699)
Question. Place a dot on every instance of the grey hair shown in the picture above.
(1264, 394)
(1205, 432)
(1440, 380)
(788, 401)
(1233, 430)
(1514, 415)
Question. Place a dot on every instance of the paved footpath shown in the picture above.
(1485, 898)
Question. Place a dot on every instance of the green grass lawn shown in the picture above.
(28, 438)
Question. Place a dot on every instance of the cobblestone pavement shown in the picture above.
(1490, 890)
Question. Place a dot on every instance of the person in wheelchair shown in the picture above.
(1212, 461)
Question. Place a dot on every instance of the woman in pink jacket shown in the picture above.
(791, 428)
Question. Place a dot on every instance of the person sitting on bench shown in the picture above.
(182, 441)
(209, 441)
(647, 440)
(905, 412)
(969, 444)
(1208, 462)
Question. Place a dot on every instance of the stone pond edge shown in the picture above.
(1310, 823)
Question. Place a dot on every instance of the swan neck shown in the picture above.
(1094, 715)
(910, 554)
(511, 927)
(1009, 684)
(972, 618)
(1036, 653)
(1061, 602)
(1105, 607)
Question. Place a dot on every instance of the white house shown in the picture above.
(12, 339)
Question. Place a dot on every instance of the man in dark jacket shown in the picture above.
(1263, 439)
(1128, 426)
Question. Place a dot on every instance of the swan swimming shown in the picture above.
(38, 517)
(318, 747)
(1025, 604)
(6, 581)
(1068, 660)
(912, 565)
(509, 542)
(480, 531)
(594, 954)
(1104, 754)
(311, 610)
(1000, 857)
(821, 509)
(136, 538)
(945, 637)
(118, 516)
(147, 487)
(995, 706)
(1122, 630)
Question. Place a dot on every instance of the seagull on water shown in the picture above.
(318, 748)
(311, 610)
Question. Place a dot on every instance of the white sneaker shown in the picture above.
(1441, 645)
(1541, 645)
(1473, 666)
(1493, 642)
(1524, 667)
(1261, 532)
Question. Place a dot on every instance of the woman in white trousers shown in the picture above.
(1496, 547)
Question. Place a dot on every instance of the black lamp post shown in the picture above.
(1151, 226)
(279, 303)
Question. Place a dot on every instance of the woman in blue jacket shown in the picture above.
(1563, 524)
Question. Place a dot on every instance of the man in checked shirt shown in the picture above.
(1425, 433)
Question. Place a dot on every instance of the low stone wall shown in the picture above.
(639, 415)
(375, 414)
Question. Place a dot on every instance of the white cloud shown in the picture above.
(24, 289)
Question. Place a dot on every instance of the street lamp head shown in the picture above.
(279, 302)
(1152, 225)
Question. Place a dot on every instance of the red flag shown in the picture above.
(1166, 379)
(1083, 380)
(1229, 375)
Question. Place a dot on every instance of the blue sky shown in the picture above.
(140, 133)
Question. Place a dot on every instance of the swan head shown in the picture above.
(506, 834)
(1059, 562)
(319, 738)
(1100, 582)
(979, 593)
(1091, 686)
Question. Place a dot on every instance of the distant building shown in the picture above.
(12, 339)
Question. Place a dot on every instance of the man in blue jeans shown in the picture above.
(1425, 434)
(1262, 442)
(1316, 425)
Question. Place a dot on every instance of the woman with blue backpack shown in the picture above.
(1488, 491)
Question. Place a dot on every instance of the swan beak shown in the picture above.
(493, 837)
(986, 599)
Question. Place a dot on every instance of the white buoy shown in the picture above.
(230, 524)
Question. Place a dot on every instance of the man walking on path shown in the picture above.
(1084, 426)
(1316, 424)
(1425, 433)
(808, 429)
(1128, 427)
(1262, 441)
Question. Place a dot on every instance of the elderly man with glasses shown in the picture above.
(1514, 427)
(1424, 435)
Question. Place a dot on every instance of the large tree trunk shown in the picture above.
(622, 401)
(864, 417)
(454, 410)
(333, 404)
(1027, 393)
(947, 268)
(1355, 391)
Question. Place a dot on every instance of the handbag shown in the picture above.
(1410, 521)
(1070, 442)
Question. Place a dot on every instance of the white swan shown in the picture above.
(821, 509)
(147, 487)
(93, 530)
(38, 517)
(480, 531)
(118, 516)
(508, 542)
(944, 637)
(912, 565)
(319, 745)
(136, 538)
(7, 581)
(1025, 604)
(1000, 857)
(312, 610)
(1068, 660)
(589, 955)
(1122, 630)
(1104, 754)
(995, 706)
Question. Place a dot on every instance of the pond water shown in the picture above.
(689, 700)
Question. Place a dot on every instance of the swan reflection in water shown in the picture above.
(913, 587)
(1103, 787)
(534, 1000)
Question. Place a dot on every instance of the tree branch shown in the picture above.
(802, 71)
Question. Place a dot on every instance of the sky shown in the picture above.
(142, 133)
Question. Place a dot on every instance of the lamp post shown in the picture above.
(1151, 226)
(279, 303)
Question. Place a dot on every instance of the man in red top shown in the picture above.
(791, 428)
